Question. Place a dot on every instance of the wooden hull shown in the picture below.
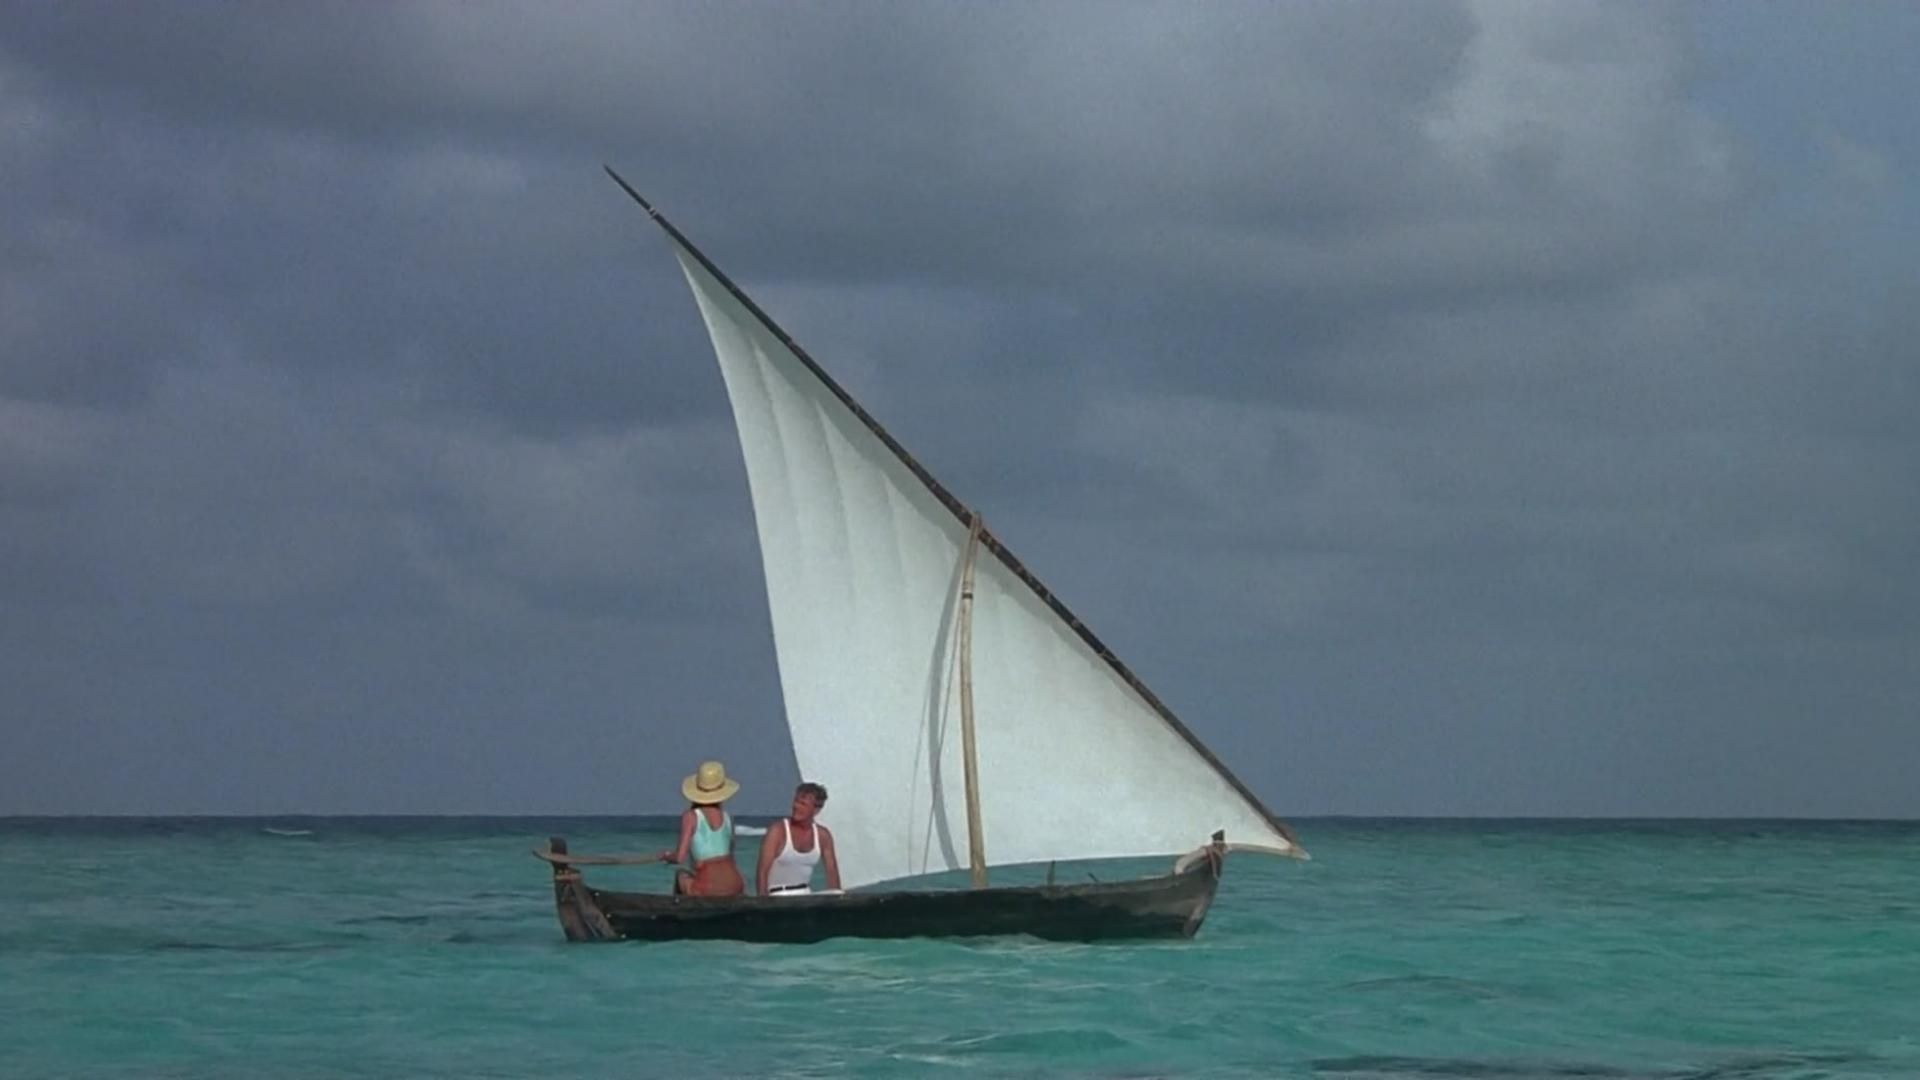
(1171, 906)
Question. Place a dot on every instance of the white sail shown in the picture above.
(863, 560)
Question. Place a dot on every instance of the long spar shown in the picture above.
(976, 838)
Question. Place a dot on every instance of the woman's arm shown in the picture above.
(827, 856)
(679, 854)
(770, 847)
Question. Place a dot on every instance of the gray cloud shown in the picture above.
(1448, 408)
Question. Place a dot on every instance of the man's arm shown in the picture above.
(770, 846)
(827, 856)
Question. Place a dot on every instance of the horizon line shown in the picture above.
(538, 815)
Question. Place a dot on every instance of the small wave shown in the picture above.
(421, 918)
(1447, 984)
(245, 947)
(1366, 1065)
(1044, 1042)
(469, 937)
(1759, 1066)
(1746, 1067)
(271, 831)
(407, 920)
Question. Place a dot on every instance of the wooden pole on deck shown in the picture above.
(976, 838)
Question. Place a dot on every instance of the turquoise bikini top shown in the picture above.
(709, 842)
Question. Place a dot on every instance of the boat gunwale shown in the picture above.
(866, 897)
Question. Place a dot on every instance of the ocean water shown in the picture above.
(1405, 949)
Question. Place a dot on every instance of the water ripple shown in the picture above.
(1639, 951)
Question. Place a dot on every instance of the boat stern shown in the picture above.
(580, 916)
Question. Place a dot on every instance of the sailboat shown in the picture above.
(961, 716)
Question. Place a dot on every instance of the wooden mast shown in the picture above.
(976, 838)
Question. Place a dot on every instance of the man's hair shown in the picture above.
(819, 792)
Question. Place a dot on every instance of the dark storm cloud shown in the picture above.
(1449, 408)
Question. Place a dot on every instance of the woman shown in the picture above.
(706, 836)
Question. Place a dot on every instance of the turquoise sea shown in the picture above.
(1405, 949)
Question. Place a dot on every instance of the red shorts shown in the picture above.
(714, 877)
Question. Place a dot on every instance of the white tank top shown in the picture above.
(792, 867)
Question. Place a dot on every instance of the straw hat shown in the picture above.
(709, 784)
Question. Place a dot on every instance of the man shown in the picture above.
(795, 845)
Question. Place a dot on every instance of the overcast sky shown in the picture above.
(1448, 409)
